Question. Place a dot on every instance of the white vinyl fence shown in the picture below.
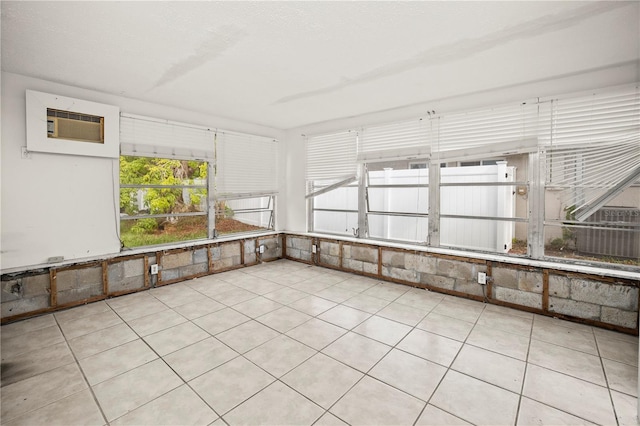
(471, 233)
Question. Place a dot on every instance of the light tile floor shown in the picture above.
(287, 343)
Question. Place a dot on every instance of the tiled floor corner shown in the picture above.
(288, 343)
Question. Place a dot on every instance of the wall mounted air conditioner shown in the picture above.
(75, 126)
(611, 242)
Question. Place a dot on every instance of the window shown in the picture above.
(592, 208)
(546, 179)
(180, 182)
(162, 200)
(245, 183)
(332, 183)
(398, 203)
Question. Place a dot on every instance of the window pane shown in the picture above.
(244, 215)
(412, 199)
(169, 229)
(478, 234)
(400, 228)
(335, 222)
(173, 211)
(611, 234)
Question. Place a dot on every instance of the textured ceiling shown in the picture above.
(288, 64)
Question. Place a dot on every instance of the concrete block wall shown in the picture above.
(272, 247)
(27, 293)
(594, 300)
(76, 284)
(33, 292)
(600, 301)
(128, 275)
(517, 285)
(178, 265)
(607, 302)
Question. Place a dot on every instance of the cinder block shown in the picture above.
(421, 263)
(115, 272)
(504, 277)
(294, 253)
(66, 280)
(23, 306)
(613, 295)
(438, 281)
(250, 258)
(200, 256)
(302, 244)
(87, 276)
(36, 285)
(394, 259)
(133, 268)
(559, 286)
(230, 249)
(354, 265)
(249, 248)
(176, 260)
(400, 274)
(518, 297)
(365, 254)
(200, 268)
(574, 309)
(329, 260)
(346, 251)
(216, 253)
(127, 284)
(12, 290)
(370, 268)
(454, 269)
(331, 249)
(170, 274)
(305, 255)
(468, 287)
(224, 263)
(619, 317)
(79, 293)
(530, 281)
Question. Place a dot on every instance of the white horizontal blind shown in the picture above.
(332, 156)
(150, 137)
(595, 145)
(485, 127)
(246, 164)
(394, 141)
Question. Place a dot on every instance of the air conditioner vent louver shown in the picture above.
(611, 242)
(73, 115)
(74, 126)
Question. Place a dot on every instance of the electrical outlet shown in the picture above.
(154, 269)
(261, 248)
(482, 278)
(313, 248)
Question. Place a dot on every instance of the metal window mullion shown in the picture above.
(484, 184)
(504, 219)
(363, 228)
(335, 210)
(537, 172)
(211, 199)
(403, 214)
(433, 238)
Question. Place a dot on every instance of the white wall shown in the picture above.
(65, 205)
